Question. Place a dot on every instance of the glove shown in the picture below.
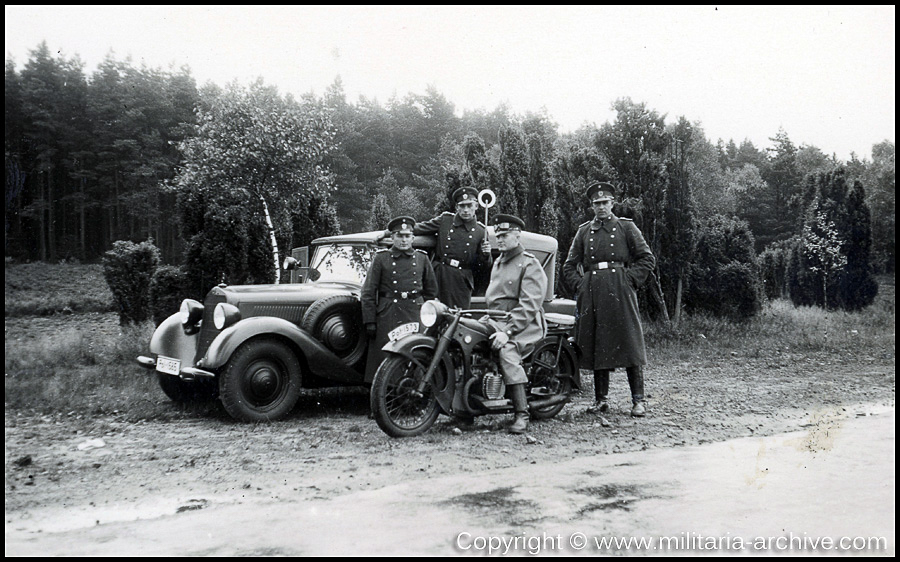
(499, 339)
(371, 329)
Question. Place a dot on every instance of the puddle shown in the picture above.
(499, 504)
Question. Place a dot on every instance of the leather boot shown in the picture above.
(601, 391)
(520, 403)
(636, 382)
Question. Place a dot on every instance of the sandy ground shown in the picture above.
(326, 480)
(781, 494)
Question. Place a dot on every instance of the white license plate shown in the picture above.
(403, 330)
(168, 365)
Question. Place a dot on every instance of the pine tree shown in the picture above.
(857, 284)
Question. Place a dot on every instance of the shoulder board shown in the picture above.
(529, 254)
(582, 225)
(479, 223)
(445, 213)
(422, 251)
(625, 219)
(379, 250)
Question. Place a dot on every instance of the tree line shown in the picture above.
(223, 178)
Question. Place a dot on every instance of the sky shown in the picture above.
(823, 74)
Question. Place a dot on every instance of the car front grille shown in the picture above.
(208, 330)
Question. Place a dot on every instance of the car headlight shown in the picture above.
(225, 315)
(190, 314)
(431, 311)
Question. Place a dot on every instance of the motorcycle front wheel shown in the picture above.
(399, 410)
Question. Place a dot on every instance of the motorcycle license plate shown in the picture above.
(168, 365)
(403, 330)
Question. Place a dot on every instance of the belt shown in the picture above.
(603, 265)
(399, 294)
(453, 263)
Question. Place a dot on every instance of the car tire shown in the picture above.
(261, 381)
(336, 321)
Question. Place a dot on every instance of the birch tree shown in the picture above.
(271, 147)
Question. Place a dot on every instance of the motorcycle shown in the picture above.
(451, 369)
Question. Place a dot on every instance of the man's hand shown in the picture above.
(499, 339)
(371, 329)
(486, 247)
(383, 235)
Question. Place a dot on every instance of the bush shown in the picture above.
(724, 278)
(168, 288)
(128, 268)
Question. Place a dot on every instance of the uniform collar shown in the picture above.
(397, 253)
(611, 221)
(506, 256)
(469, 225)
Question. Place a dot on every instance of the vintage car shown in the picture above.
(256, 346)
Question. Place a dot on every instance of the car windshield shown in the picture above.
(342, 262)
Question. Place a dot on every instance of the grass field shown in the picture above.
(82, 361)
(42, 289)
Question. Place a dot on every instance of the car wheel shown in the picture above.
(336, 321)
(185, 392)
(261, 381)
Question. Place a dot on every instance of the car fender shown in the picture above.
(320, 360)
(169, 340)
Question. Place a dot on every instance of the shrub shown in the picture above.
(168, 288)
(724, 278)
(128, 268)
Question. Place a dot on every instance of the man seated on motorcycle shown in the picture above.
(518, 285)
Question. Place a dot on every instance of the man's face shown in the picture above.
(466, 210)
(602, 208)
(508, 240)
(402, 240)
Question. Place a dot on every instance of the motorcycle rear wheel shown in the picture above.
(398, 411)
(558, 381)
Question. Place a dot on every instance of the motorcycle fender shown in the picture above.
(321, 361)
(169, 340)
(405, 347)
(572, 352)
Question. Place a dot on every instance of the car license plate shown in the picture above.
(403, 330)
(168, 365)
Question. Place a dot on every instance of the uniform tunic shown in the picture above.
(518, 285)
(458, 252)
(392, 273)
(609, 328)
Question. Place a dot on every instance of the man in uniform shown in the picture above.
(399, 280)
(608, 261)
(518, 285)
(462, 245)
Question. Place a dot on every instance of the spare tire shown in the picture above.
(336, 321)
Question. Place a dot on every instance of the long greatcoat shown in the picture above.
(392, 273)
(608, 327)
(457, 254)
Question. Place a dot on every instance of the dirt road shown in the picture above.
(475, 493)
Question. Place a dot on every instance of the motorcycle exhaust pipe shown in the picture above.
(551, 401)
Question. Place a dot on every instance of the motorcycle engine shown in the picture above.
(492, 385)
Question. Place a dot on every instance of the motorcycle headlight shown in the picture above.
(190, 314)
(430, 312)
(225, 315)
